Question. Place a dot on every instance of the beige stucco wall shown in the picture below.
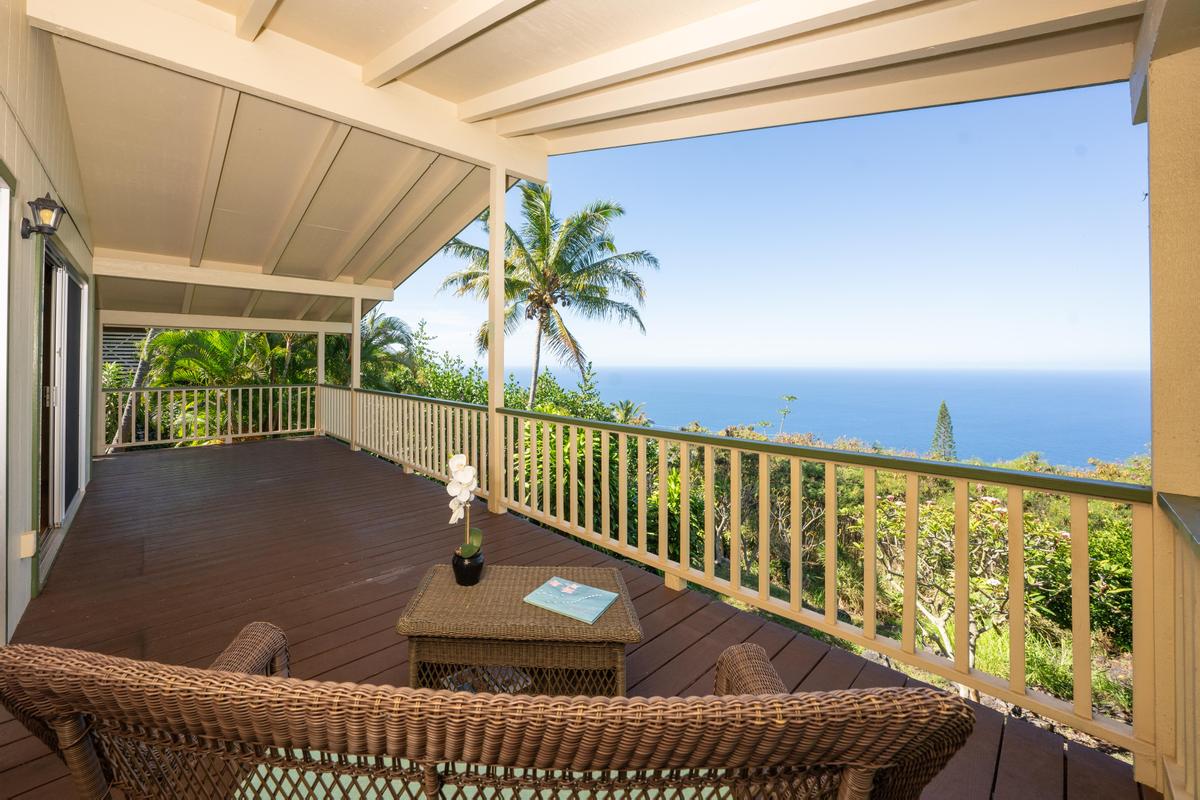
(1174, 136)
(1174, 131)
(37, 148)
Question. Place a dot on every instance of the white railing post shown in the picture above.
(496, 300)
(319, 422)
(355, 367)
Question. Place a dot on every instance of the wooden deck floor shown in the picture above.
(173, 551)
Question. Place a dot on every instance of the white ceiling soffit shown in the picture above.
(184, 169)
(564, 71)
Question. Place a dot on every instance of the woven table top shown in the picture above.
(495, 607)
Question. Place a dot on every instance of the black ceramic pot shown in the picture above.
(467, 570)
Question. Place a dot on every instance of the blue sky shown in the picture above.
(1004, 234)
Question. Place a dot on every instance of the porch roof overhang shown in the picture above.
(314, 140)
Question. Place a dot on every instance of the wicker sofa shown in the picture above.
(242, 729)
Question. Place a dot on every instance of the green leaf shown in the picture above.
(473, 544)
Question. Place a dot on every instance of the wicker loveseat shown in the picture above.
(243, 729)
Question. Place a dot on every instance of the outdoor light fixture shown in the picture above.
(47, 215)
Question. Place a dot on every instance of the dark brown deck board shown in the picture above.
(173, 551)
(1031, 763)
(1095, 776)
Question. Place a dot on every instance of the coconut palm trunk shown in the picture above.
(139, 375)
(537, 361)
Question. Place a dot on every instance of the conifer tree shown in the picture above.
(943, 447)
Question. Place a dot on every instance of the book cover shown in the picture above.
(572, 599)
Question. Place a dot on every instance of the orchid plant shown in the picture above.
(461, 488)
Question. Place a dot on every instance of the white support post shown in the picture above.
(355, 367)
(320, 427)
(496, 230)
(99, 416)
(1174, 120)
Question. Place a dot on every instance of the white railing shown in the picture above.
(189, 414)
(760, 514)
(419, 433)
(1180, 625)
(902, 578)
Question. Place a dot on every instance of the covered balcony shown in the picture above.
(283, 166)
(174, 550)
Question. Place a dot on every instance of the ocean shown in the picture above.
(1068, 416)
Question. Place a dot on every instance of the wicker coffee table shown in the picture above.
(485, 638)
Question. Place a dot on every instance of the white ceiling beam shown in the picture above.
(189, 293)
(312, 301)
(1080, 58)
(429, 204)
(352, 243)
(445, 31)
(251, 303)
(939, 31)
(113, 267)
(252, 18)
(150, 319)
(333, 309)
(192, 37)
(739, 28)
(1167, 27)
(321, 165)
(222, 130)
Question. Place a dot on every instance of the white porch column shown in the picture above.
(355, 367)
(1173, 100)
(496, 230)
(99, 443)
(321, 357)
(320, 426)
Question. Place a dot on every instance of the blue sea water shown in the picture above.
(1068, 416)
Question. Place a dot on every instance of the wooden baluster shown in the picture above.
(605, 488)
(623, 488)
(710, 532)
(735, 519)
(526, 496)
(962, 575)
(870, 553)
(764, 526)
(1081, 620)
(589, 520)
(685, 506)
(1016, 589)
(546, 469)
(558, 474)
(912, 503)
(664, 529)
(642, 484)
(573, 460)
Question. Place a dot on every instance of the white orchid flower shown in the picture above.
(457, 462)
(457, 510)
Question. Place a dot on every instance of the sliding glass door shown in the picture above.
(64, 399)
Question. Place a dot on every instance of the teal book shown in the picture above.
(571, 599)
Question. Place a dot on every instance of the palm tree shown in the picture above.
(387, 343)
(552, 264)
(628, 412)
(208, 358)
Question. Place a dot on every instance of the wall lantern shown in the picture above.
(47, 215)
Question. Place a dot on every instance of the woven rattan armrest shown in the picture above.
(745, 669)
(259, 649)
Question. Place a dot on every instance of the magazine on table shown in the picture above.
(572, 599)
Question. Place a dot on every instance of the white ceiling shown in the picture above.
(349, 140)
(144, 135)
